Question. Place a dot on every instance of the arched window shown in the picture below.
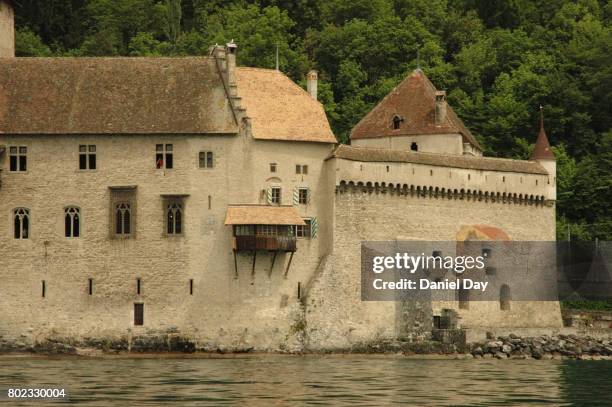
(504, 297)
(21, 217)
(72, 222)
(123, 219)
(174, 219)
(397, 122)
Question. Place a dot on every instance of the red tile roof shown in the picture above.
(414, 101)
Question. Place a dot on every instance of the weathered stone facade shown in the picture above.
(199, 293)
(7, 30)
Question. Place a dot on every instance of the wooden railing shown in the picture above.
(271, 243)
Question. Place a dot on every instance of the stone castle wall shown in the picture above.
(7, 31)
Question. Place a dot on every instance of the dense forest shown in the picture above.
(498, 60)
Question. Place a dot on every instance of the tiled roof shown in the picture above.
(113, 95)
(413, 100)
(367, 154)
(542, 150)
(279, 109)
(262, 215)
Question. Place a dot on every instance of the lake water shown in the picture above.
(312, 380)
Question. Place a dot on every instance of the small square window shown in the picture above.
(272, 167)
(206, 159)
(298, 169)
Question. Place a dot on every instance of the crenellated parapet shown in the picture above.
(436, 192)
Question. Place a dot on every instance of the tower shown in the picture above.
(543, 154)
(7, 29)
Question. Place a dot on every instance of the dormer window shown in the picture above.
(397, 122)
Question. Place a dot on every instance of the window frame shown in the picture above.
(303, 231)
(279, 195)
(27, 214)
(162, 152)
(87, 154)
(209, 159)
(79, 219)
(18, 154)
(180, 203)
(306, 199)
(273, 167)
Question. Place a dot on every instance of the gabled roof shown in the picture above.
(542, 150)
(279, 109)
(368, 154)
(413, 100)
(262, 215)
(113, 95)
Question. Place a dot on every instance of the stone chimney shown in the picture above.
(7, 29)
(311, 83)
(230, 56)
(440, 107)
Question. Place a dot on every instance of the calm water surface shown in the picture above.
(313, 380)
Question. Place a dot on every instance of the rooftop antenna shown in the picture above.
(277, 64)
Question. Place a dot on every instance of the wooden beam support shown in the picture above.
(254, 257)
(235, 265)
(289, 264)
(273, 260)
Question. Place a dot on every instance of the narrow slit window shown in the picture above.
(21, 218)
(191, 286)
(138, 314)
(44, 288)
(90, 286)
(138, 286)
(18, 158)
(72, 222)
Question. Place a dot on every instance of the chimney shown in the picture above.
(7, 29)
(440, 107)
(311, 83)
(230, 56)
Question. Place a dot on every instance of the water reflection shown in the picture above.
(314, 380)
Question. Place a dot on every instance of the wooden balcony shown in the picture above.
(269, 243)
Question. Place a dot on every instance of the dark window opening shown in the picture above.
(304, 231)
(87, 157)
(436, 253)
(123, 221)
(191, 286)
(138, 314)
(206, 159)
(21, 217)
(486, 253)
(174, 218)
(272, 167)
(18, 160)
(44, 288)
(90, 286)
(437, 322)
(397, 122)
(164, 156)
(209, 202)
(72, 222)
(301, 169)
(303, 196)
(414, 147)
(138, 286)
(504, 298)
(299, 290)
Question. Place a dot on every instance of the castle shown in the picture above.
(145, 196)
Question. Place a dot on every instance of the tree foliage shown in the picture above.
(498, 59)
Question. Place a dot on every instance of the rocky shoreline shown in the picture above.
(494, 347)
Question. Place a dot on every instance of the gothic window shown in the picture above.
(205, 159)
(164, 156)
(87, 157)
(72, 222)
(21, 217)
(174, 218)
(123, 219)
(18, 158)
